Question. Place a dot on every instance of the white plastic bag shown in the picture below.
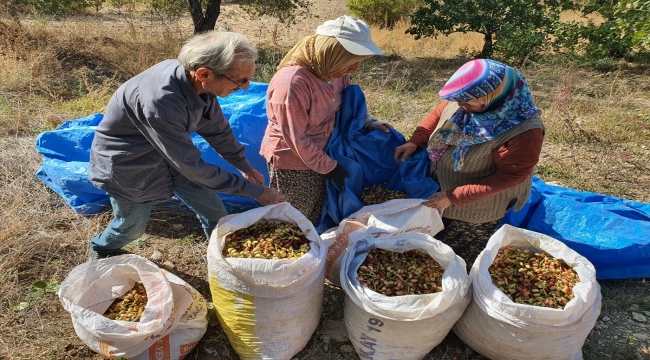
(174, 319)
(388, 219)
(402, 327)
(499, 328)
(267, 308)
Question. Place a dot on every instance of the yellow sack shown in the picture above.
(269, 309)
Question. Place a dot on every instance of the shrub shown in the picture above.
(624, 33)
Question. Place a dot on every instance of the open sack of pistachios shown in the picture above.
(533, 298)
(266, 269)
(126, 306)
(387, 219)
(402, 295)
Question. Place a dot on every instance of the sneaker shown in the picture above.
(94, 255)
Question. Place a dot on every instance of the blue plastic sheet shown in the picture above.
(368, 156)
(412, 177)
(66, 153)
(613, 233)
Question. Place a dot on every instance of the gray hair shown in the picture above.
(218, 51)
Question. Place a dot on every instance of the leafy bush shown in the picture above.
(285, 11)
(169, 9)
(518, 43)
(624, 33)
(384, 13)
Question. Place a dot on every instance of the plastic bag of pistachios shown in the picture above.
(388, 219)
(403, 295)
(170, 324)
(499, 328)
(266, 269)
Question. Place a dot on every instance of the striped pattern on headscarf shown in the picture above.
(506, 99)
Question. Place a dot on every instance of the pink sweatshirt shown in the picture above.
(301, 108)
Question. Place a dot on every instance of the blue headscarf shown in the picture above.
(502, 92)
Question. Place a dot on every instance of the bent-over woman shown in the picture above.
(302, 100)
(484, 141)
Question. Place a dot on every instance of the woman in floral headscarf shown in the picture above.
(484, 141)
(302, 100)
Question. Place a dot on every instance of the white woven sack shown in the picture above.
(174, 319)
(391, 218)
(498, 328)
(409, 326)
(267, 308)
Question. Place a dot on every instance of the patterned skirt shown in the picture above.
(305, 189)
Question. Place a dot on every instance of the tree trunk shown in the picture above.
(486, 53)
(204, 22)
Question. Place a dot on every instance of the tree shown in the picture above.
(204, 21)
(512, 29)
(286, 11)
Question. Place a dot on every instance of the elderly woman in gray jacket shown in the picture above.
(142, 151)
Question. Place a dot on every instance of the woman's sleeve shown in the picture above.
(515, 161)
(424, 130)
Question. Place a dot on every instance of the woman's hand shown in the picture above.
(438, 201)
(403, 152)
(372, 123)
(254, 176)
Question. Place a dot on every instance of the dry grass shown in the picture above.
(598, 139)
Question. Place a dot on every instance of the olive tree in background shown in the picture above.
(204, 20)
(513, 30)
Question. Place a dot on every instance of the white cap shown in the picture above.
(352, 33)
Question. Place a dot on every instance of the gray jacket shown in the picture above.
(144, 139)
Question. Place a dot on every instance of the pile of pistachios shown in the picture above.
(130, 306)
(533, 278)
(396, 274)
(267, 240)
(377, 194)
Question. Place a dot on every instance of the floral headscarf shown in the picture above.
(501, 90)
(322, 55)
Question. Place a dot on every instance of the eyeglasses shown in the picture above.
(239, 87)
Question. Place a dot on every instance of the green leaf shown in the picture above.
(39, 284)
(37, 293)
(53, 288)
(647, 313)
(17, 306)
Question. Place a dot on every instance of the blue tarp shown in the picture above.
(368, 156)
(613, 233)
